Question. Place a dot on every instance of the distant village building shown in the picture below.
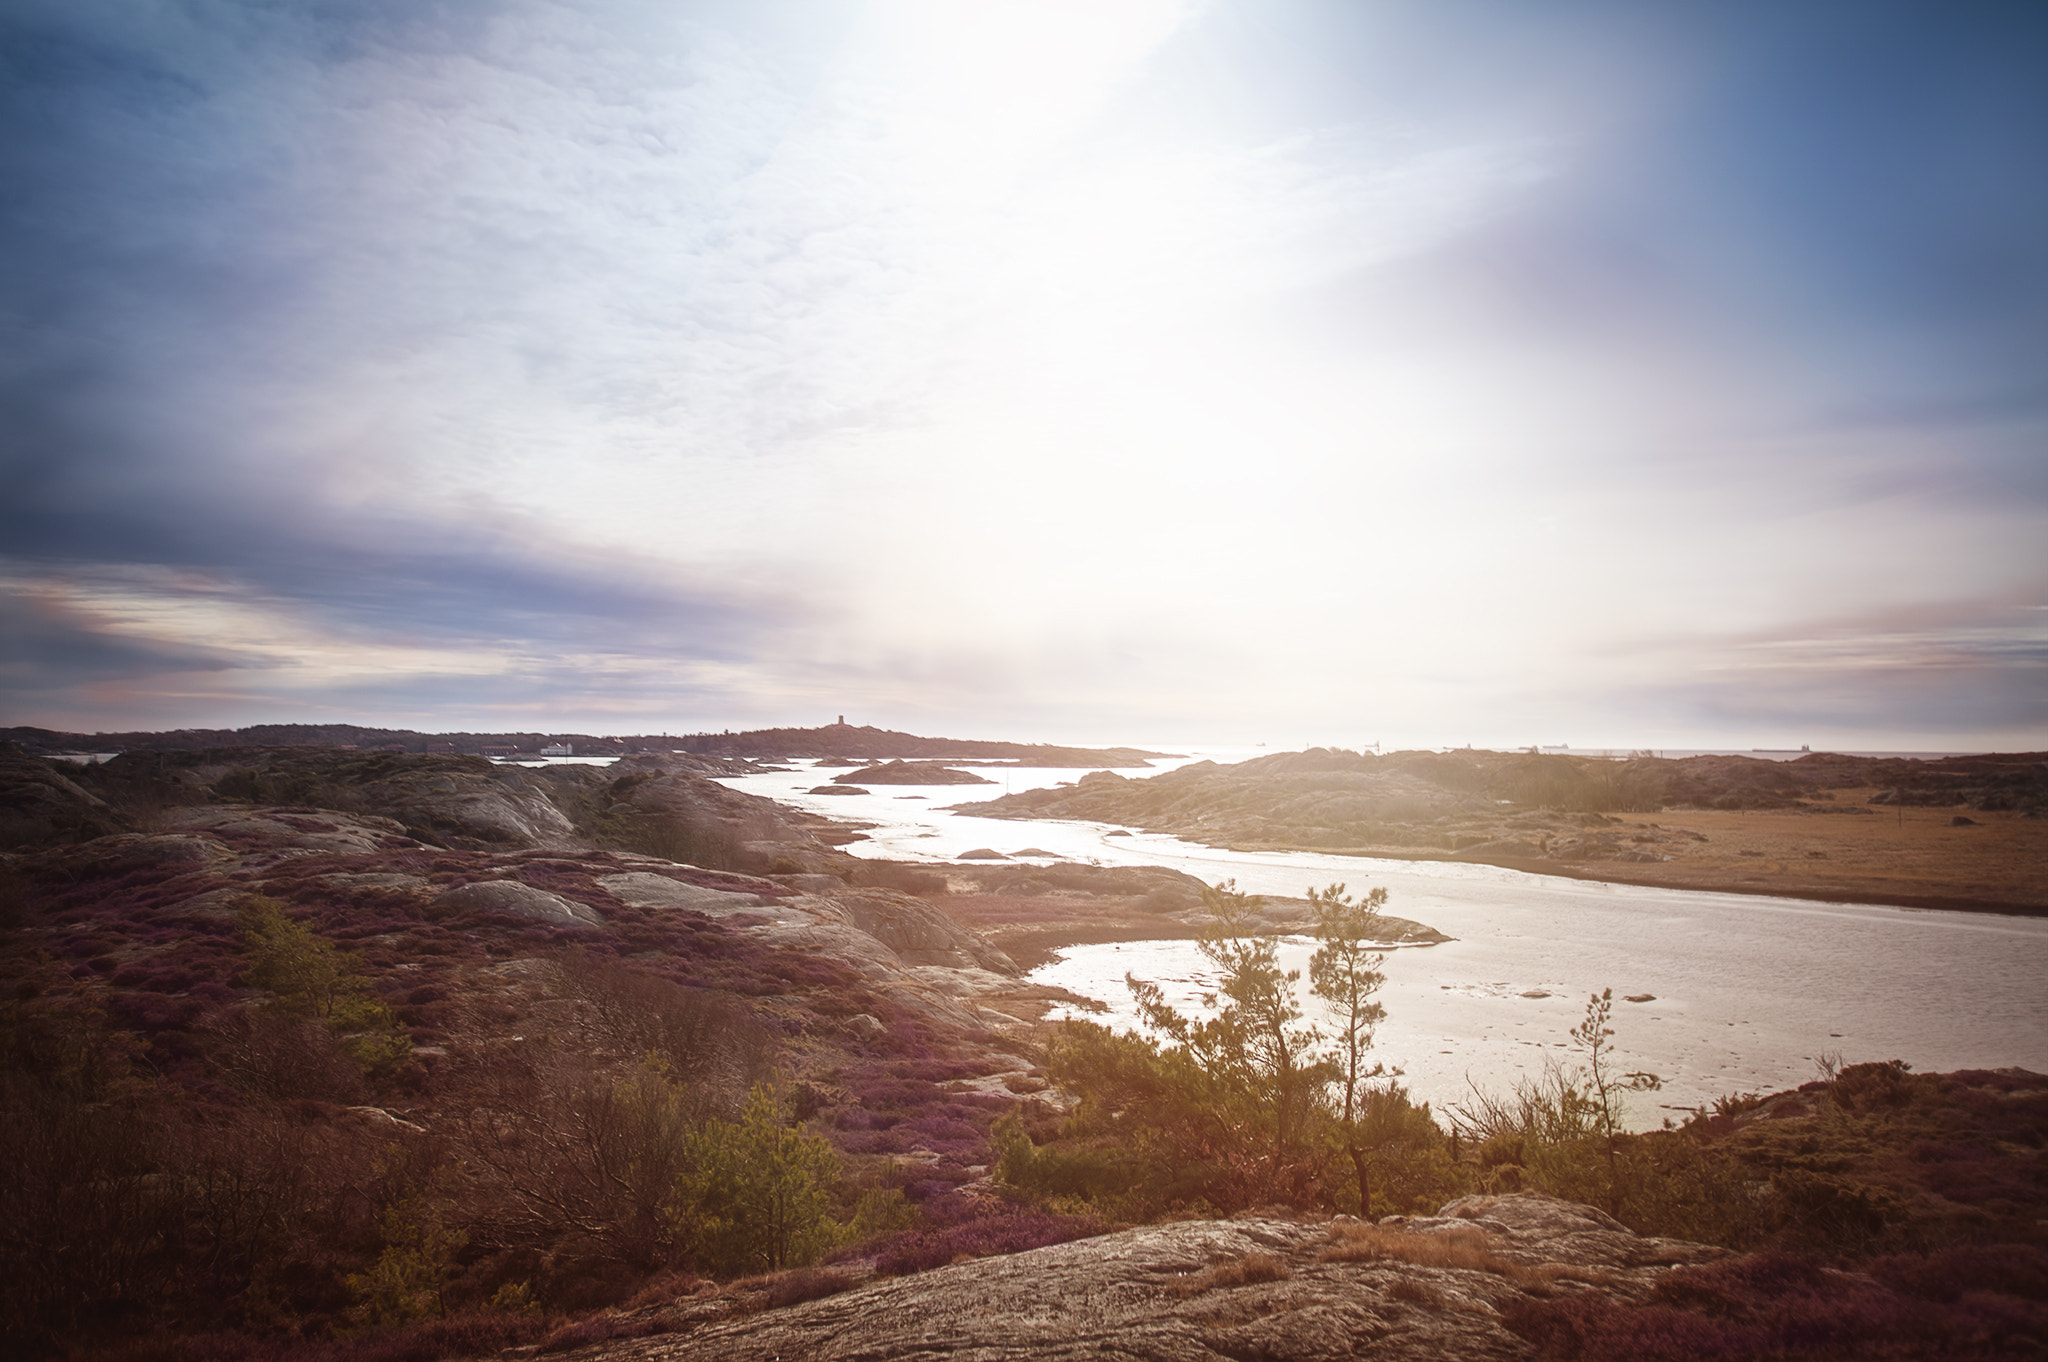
(440, 747)
(499, 750)
(560, 749)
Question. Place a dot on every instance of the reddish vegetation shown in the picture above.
(1960, 1303)
(125, 991)
(196, 1172)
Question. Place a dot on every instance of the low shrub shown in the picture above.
(806, 1284)
(982, 1229)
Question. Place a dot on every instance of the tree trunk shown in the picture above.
(1364, 1182)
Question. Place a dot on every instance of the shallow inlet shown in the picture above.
(1749, 991)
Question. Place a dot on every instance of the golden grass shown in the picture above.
(1887, 853)
(1244, 1271)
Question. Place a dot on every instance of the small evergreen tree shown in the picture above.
(418, 1260)
(1261, 1065)
(757, 1196)
(1345, 973)
(1592, 1037)
(305, 976)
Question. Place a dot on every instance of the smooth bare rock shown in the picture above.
(1206, 1291)
(375, 879)
(646, 889)
(812, 884)
(771, 836)
(161, 850)
(1539, 1229)
(41, 806)
(519, 900)
(695, 763)
(223, 904)
(481, 812)
(1471, 806)
(305, 829)
(919, 933)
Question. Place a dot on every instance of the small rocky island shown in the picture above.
(911, 773)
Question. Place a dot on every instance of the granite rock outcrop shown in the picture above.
(1266, 1287)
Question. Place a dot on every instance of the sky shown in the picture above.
(1291, 371)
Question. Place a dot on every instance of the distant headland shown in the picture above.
(854, 742)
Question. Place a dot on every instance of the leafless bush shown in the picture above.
(706, 1039)
(87, 1221)
(273, 1054)
(580, 1162)
(1552, 1109)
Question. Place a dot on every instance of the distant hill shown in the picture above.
(830, 740)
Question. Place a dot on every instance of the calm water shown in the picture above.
(1749, 991)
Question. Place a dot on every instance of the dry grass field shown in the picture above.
(1914, 856)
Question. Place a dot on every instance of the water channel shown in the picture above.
(1747, 992)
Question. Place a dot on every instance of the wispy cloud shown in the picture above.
(1453, 369)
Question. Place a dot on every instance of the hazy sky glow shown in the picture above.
(1231, 370)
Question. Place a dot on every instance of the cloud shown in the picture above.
(1020, 363)
(1946, 684)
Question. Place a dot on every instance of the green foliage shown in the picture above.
(1258, 1064)
(757, 1196)
(417, 1262)
(1149, 1131)
(639, 1132)
(1398, 1157)
(1237, 1109)
(880, 1211)
(88, 1196)
(1345, 973)
(1591, 1037)
(1567, 1127)
(513, 1298)
(56, 1034)
(1104, 1174)
(305, 976)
